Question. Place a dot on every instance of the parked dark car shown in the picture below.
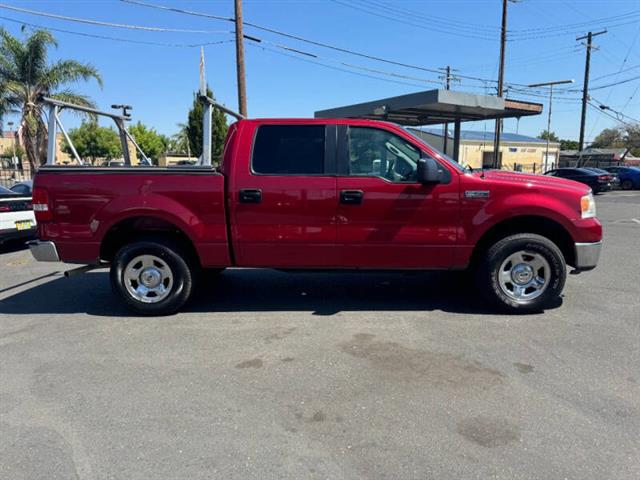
(23, 188)
(615, 180)
(597, 182)
(629, 176)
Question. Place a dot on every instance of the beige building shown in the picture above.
(517, 152)
(172, 159)
(7, 143)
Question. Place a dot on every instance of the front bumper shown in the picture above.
(43, 251)
(587, 255)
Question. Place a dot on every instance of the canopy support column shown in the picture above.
(456, 141)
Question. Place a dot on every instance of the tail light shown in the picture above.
(15, 206)
(41, 205)
(604, 178)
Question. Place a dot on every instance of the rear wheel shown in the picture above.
(152, 277)
(523, 273)
(627, 184)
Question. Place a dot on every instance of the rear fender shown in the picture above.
(150, 205)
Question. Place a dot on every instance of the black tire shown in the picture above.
(182, 272)
(492, 260)
(627, 185)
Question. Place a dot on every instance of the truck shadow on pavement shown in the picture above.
(255, 290)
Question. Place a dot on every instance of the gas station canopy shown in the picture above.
(434, 107)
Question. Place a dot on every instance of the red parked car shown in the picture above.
(317, 194)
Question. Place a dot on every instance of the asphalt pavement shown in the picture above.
(270, 375)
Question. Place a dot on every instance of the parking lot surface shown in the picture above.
(269, 375)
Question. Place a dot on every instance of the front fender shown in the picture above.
(478, 221)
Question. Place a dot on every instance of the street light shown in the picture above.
(550, 85)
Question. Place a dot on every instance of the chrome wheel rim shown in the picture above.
(148, 278)
(524, 275)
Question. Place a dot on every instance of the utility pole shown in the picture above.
(242, 88)
(447, 77)
(585, 88)
(503, 46)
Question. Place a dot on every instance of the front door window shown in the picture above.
(378, 153)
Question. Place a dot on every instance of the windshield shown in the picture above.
(444, 156)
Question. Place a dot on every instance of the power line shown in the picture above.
(413, 14)
(332, 67)
(107, 24)
(115, 39)
(631, 97)
(431, 28)
(620, 70)
(494, 29)
(229, 19)
(339, 62)
(603, 106)
(284, 47)
(463, 31)
(614, 117)
(302, 39)
(634, 67)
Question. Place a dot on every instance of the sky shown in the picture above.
(159, 79)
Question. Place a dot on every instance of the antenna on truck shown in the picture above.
(209, 105)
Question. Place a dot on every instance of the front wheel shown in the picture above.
(627, 185)
(523, 273)
(152, 277)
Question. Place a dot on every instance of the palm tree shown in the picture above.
(180, 140)
(26, 76)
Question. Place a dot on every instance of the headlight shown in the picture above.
(588, 206)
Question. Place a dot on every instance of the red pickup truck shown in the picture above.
(317, 194)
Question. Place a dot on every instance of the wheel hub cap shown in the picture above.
(524, 275)
(148, 278)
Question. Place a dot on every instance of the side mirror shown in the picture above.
(428, 171)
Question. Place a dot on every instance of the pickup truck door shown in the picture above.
(283, 198)
(386, 219)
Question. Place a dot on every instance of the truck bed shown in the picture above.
(89, 202)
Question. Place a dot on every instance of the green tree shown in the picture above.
(194, 129)
(94, 142)
(179, 141)
(631, 137)
(552, 137)
(569, 145)
(26, 75)
(609, 138)
(152, 143)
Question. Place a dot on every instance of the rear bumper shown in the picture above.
(13, 234)
(587, 255)
(43, 251)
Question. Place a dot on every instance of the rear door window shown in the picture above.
(289, 150)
